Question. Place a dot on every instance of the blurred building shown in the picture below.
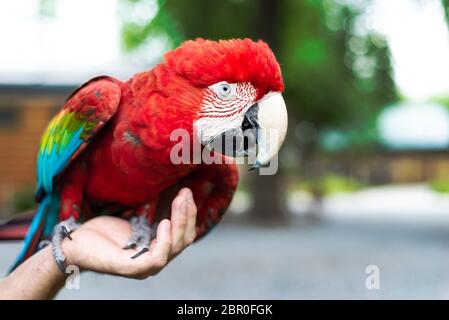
(412, 147)
(24, 112)
(387, 166)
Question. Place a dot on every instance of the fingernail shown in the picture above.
(187, 192)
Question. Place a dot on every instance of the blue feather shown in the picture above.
(46, 215)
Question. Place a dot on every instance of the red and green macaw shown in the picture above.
(108, 151)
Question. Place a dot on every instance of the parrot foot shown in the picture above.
(61, 231)
(43, 244)
(141, 235)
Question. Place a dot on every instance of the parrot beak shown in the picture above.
(268, 120)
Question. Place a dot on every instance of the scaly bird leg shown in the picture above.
(61, 231)
(143, 228)
(141, 235)
(43, 244)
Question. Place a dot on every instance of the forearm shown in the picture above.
(36, 278)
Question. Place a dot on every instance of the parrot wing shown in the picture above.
(85, 112)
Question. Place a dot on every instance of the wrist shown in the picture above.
(36, 278)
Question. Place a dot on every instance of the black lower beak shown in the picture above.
(240, 141)
(250, 120)
(250, 127)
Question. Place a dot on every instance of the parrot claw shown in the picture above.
(66, 232)
(130, 246)
(61, 231)
(141, 252)
(141, 235)
(61, 265)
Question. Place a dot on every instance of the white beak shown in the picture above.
(273, 121)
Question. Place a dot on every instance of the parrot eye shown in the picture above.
(225, 90)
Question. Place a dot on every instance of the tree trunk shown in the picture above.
(266, 201)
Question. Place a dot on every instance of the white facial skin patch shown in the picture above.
(224, 106)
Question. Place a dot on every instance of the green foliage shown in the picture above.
(328, 184)
(23, 200)
(137, 31)
(47, 8)
(443, 100)
(440, 185)
(445, 4)
(243, 186)
(360, 137)
(351, 80)
(311, 52)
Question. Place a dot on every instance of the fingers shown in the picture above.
(183, 221)
(179, 220)
(190, 233)
(161, 246)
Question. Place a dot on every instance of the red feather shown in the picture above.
(127, 163)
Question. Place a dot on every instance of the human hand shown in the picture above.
(97, 245)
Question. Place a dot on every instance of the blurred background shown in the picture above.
(364, 174)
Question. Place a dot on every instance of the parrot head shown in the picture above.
(239, 83)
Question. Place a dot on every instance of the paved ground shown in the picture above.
(325, 260)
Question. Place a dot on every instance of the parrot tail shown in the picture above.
(40, 227)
